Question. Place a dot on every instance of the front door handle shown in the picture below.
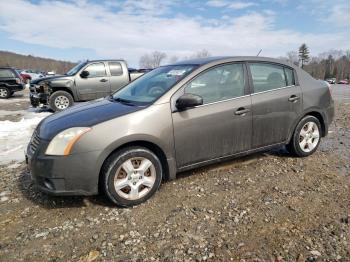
(103, 80)
(241, 111)
(293, 98)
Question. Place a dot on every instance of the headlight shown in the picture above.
(62, 143)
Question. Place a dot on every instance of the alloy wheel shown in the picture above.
(309, 137)
(3, 92)
(135, 178)
(61, 102)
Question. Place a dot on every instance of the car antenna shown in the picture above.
(259, 52)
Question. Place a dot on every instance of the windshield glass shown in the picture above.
(75, 69)
(153, 85)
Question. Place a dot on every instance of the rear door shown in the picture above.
(119, 76)
(94, 86)
(222, 125)
(276, 102)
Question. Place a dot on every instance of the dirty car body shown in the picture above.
(215, 109)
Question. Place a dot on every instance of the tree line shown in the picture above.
(330, 64)
(156, 58)
(32, 62)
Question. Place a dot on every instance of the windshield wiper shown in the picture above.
(122, 100)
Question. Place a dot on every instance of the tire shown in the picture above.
(306, 137)
(135, 187)
(60, 100)
(4, 92)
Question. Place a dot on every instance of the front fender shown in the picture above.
(63, 84)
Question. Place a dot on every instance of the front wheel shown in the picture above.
(306, 137)
(131, 176)
(60, 100)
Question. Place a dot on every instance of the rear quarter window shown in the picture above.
(290, 76)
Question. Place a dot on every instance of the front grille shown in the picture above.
(34, 142)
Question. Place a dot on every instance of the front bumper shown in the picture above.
(37, 99)
(75, 174)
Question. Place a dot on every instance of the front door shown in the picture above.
(94, 86)
(276, 103)
(222, 126)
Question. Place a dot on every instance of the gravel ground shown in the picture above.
(265, 207)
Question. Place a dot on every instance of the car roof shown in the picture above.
(207, 60)
(106, 60)
(7, 67)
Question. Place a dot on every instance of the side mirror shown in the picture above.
(84, 74)
(188, 100)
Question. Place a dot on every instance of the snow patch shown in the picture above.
(15, 136)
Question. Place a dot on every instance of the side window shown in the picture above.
(6, 73)
(267, 76)
(96, 70)
(290, 76)
(220, 83)
(115, 68)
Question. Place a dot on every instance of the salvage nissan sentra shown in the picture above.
(175, 118)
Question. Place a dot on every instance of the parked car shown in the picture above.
(86, 81)
(331, 80)
(25, 77)
(10, 82)
(50, 73)
(344, 82)
(175, 118)
(33, 74)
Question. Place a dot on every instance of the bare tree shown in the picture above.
(152, 60)
(323, 66)
(173, 59)
(201, 54)
(292, 57)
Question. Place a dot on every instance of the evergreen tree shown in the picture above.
(303, 55)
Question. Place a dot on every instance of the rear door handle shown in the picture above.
(103, 80)
(293, 98)
(241, 111)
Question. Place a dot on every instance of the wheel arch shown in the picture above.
(63, 88)
(158, 151)
(315, 113)
(320, 118)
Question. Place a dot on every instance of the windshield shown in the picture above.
(153, 85)
(75, 69)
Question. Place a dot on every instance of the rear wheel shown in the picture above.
(131, 176)
(60, 100)
(306, 137)
(4, 92)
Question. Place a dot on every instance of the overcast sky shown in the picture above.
(87, 29)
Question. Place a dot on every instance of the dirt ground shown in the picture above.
(265, 207)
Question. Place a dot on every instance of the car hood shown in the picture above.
(84, 115)
(48, 78)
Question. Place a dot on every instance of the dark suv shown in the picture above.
(10, 82)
